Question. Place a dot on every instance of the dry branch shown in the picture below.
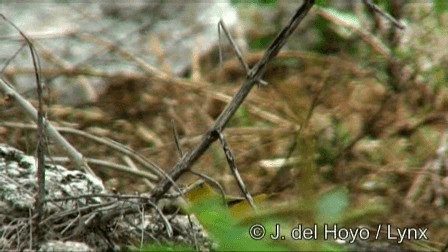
(253, 77)
(74, 155)
(145, 163)
(41, 143)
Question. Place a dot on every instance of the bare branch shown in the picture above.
(255, 74)
(41, 143)
(74, 155)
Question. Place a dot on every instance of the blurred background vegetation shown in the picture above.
(352, 128)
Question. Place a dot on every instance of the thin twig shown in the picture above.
(176, 139)
(433, 169)
(97, 195)
(296, 134)
(255, 74)
(114, 166)
(189, 188)
(169, 229)
(64, 64)
(369, 38)
(147, 164)
(237, 51)
(132, 165)
(213, 182)
(41, 35)
(6, 64)
(196, 245)
(41, 143)
(378, 10)
(74, 155)
(239, 56)
(142, 237)
(234, 169)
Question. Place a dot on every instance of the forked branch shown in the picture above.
(254, 76)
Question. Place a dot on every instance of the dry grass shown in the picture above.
(340, 124)
(360, 132)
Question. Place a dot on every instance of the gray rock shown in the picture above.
(79, 224)
(18, 182)
(68, 246)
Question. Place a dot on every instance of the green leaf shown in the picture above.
(218, 220)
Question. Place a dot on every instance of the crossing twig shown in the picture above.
(239, 55)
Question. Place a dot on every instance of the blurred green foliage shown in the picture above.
(165, 248)
(229, 236)
(332, 206)
(322, 3)
(330, 146)
(261, 43)
(440, 6)
(270, 3)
